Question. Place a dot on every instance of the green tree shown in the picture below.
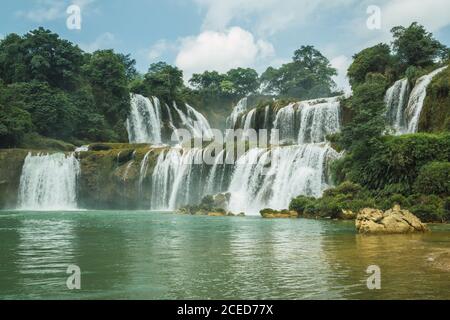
(208, 82)
(244, 80)
(309, 75)
(40, 55)
(106, 73)
(415, 46)
(14, 124)
(52, 111)
(375, 59)
(164, 81)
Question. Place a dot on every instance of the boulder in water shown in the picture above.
(392, 221)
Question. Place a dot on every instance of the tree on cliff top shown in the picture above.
(414, 46)
(309, 75)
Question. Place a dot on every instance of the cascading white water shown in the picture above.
(285, 123)
(49, 182)
(318, 118)
(177, 176)
(396, 98)
(403, 109)
(144, 122)
(263, 177)
(416, 99)
(195, 122)
(308, 121)
(293, 170)
(239, 109)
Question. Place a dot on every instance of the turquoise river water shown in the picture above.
(156, 255)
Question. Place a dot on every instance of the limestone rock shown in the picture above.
(394, 220)
(283, 214)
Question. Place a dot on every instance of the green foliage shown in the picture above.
(52, 111)
(399, 159)
(414, 46)
(163, 81)
(361, 135)
(429, 208)
(66, 93)
(308, 76)
(14, 124)
(434, 178)
(302, 204)
(435, 116)
(237, 82)
(42, 56)
(376, 59)
(347, 196)
(107, 76)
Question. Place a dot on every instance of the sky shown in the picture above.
(199, 35)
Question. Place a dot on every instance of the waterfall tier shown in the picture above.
(49, 182)
(149, 123)
(404, 106)
(297, 123)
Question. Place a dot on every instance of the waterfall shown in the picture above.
(396, 98)
(318, 118)
(293, 170)
(214, 181)
(177, 177)
(262, 177)
(49, 182)
(417, 98)
(308, 121)
(239, 109)
(195, 122)
(144, 122)
(403, 111)
(285, 124)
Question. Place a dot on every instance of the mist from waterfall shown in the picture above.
(238, 110)
(403, 107)
(49, 182)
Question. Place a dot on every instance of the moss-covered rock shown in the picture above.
(11, 163)
(112, 178)
(435, 116)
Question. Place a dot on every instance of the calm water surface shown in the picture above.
(148, 255)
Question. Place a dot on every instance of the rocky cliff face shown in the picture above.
(111, 175)
(11, 162)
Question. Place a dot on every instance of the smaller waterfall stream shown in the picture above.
(49, 182)
(416, 99)
(403, 109)
(144, 121)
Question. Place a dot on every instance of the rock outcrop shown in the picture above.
(274, 214)
(394, 220)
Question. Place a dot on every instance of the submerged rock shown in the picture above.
(394, 220)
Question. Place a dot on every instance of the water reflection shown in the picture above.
(145, 255)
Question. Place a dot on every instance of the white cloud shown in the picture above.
(341, 64)
(221, 51)
(266, 16)
(48, 10)
(105, 41)
(433, 14)
(159, 48)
